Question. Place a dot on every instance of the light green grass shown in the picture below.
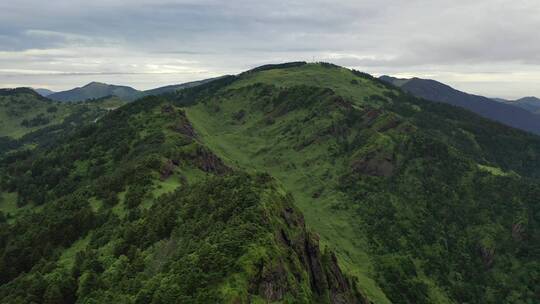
(120, 209)
(167, 186)
(15, 109)
(95, 203)
(493, 170)
(8, 203)
(67, 259)
(251, 147)
(314, 74)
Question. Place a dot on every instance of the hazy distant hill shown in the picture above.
(174, 87)
(507, 114)
(531, 104)
(96, 90)
(44, 92)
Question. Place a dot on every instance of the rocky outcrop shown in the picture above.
(327, 282)
(166, 170)
(374, 166)
(209, 162)
(181, 125)
(270, 282)
(488, 256)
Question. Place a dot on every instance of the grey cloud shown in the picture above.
(418, 37)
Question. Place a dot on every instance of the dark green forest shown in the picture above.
(293, 183)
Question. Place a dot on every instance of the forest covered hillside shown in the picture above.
(292, 183)
(28, 119)
(23, 110)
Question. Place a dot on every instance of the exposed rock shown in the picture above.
(374, 166)
(167, 108)
(238, 116)
(312, 260)
(517, 231)
(327, 281)
(166, 169)
(393, 123)
(488, 256)
(271, 282)
(372, 114)
(342, 103)
(407, 128)
(208, 162)
(183, 125)
(317, 193)
(292, 219)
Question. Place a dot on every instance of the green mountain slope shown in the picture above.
(23, 110)
(198, 196)
(421, 198)
(137, 210)
(29, 119)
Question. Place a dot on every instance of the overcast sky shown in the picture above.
(489, 47)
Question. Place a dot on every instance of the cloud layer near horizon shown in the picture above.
(490, 47)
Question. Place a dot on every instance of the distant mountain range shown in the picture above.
(531, 104)
(95, 90)
(519, 114)
(44, 92)
(174, 87)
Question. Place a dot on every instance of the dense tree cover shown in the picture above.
(483, 140)
(31, 240)
(36, 121)
(182, 250)
(475, 233)
(110, 237)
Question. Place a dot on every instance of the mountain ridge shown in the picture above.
(44, 92)
(97, 89)
(504, 113)
(530, 103)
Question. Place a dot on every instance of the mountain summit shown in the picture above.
(44, 92)
(95, 90)
(531, 104)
